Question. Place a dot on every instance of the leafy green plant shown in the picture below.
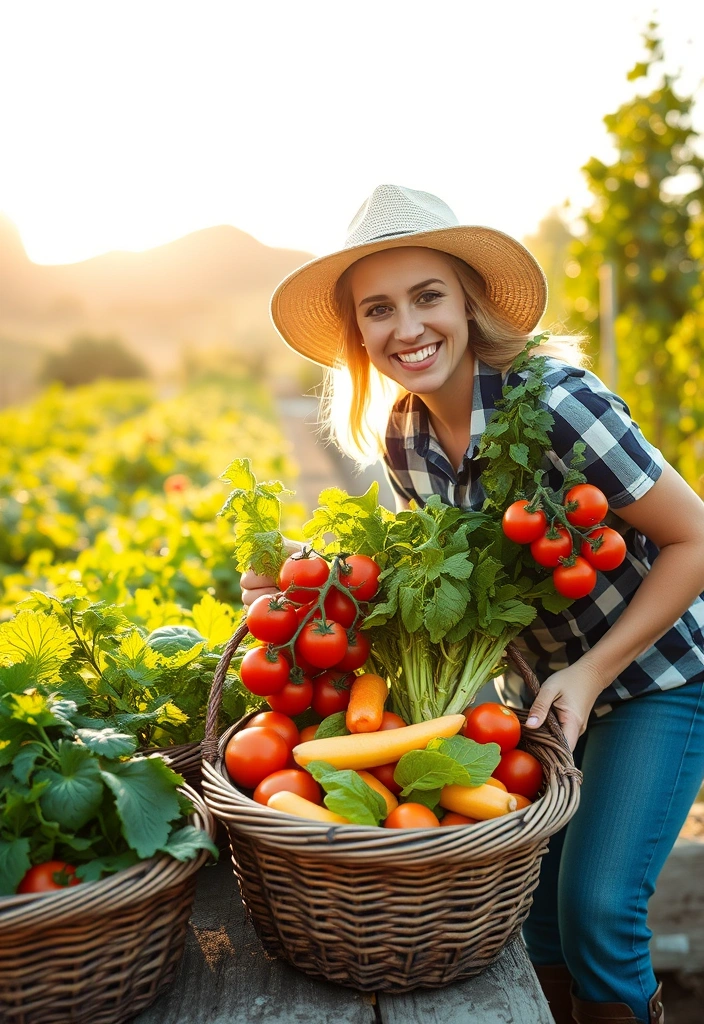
(153, 686)
(76, 794)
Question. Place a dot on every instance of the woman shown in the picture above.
(418, 319)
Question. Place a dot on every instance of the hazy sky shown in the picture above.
(127, 124)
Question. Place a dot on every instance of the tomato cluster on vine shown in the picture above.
(568, 537)
(309, 633)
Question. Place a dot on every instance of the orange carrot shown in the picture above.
(491, 781)
(366, 708)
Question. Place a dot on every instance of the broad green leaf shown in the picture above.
(458, 566)
(16, 678)
(14, 864)
(411, 607)
(31, 708)
(348, 794)
(333, 725)
(40, 641)
(478, 759)
(213, 620)
(171, 640)
(94, 870)
(107, 742)
(519, 454)
(24, 761)
(75, 792)
(185, 843)
(146, 801)
(429, 769)
(447, 609)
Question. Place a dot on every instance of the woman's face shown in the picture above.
(412, 316)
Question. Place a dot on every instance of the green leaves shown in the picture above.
(256, 511)
(349, 795)
(108, 742)
(145, 800)
(74, 789)
(170, 640)
(14, 864)
(40, 641)
(445, 762)
(333, 725)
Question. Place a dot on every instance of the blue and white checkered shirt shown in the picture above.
(619, 461)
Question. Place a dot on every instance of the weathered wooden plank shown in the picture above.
(224, 977)
(505, 993)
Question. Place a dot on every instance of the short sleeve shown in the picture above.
(619, 459)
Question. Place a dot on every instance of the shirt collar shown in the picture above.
(486, 391)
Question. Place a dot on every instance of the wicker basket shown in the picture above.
(389, 909)
(100, 952)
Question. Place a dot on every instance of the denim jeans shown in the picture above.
(643, 764)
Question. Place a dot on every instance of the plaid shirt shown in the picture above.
(619, 461)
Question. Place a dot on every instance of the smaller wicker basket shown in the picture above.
(388, 909)
(100, 952)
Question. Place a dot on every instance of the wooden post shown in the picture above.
(608, 364)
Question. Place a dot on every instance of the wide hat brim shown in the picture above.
(303, 305)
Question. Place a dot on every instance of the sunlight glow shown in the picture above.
(126, 125)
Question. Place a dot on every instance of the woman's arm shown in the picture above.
(672, 516)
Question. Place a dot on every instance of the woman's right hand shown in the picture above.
(254, 586)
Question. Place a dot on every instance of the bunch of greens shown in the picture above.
(422, 774)
(154, 686)
(75, 794)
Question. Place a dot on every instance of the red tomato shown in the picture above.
(303, 610)
(48, 877)
(356, 654)
(289, 780)
(272, 620)
(322, 643)
(331, 693)
(493, 723)
(521, 526)
(340, 608)
(576, 580)
(177, 483)
(254, 753)
(520, 772)
(282, 724)
(303, 570)
(385, 773)
(391, 721)
(592, 505)
(610, 553)
(264, 671)
(453, 818)
(361, 574)
(308, 733)
(293, 699)
(548, 552)
(412, 816)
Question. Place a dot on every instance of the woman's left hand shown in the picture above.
(572, 693)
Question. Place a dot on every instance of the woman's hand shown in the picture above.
(572, 693)
(254, 586)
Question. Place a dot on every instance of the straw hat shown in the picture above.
(303, 305)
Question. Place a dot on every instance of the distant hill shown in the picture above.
(207, 290)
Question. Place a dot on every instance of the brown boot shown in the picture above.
(555, 981)
(617, 1013)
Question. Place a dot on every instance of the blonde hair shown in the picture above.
(357, 399)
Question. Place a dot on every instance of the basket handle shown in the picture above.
(531, 681)
(210, 742)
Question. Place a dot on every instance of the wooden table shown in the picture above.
(225, 978)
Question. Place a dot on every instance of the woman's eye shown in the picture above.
(376, 310)
(429, 296)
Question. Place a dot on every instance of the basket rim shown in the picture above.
(122, 888)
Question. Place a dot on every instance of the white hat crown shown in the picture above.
(392, 211)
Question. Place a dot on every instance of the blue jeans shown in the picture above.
(643, 764)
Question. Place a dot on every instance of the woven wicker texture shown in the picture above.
(184, 759)
(100, 952)
(389, 909)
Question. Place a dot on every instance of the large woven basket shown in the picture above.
(389, 909)
(99, 952)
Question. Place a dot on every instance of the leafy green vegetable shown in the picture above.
(445, 762)
(349, 795)
(256, 510)
(170, 640)
(333, 725)
(68, 792)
